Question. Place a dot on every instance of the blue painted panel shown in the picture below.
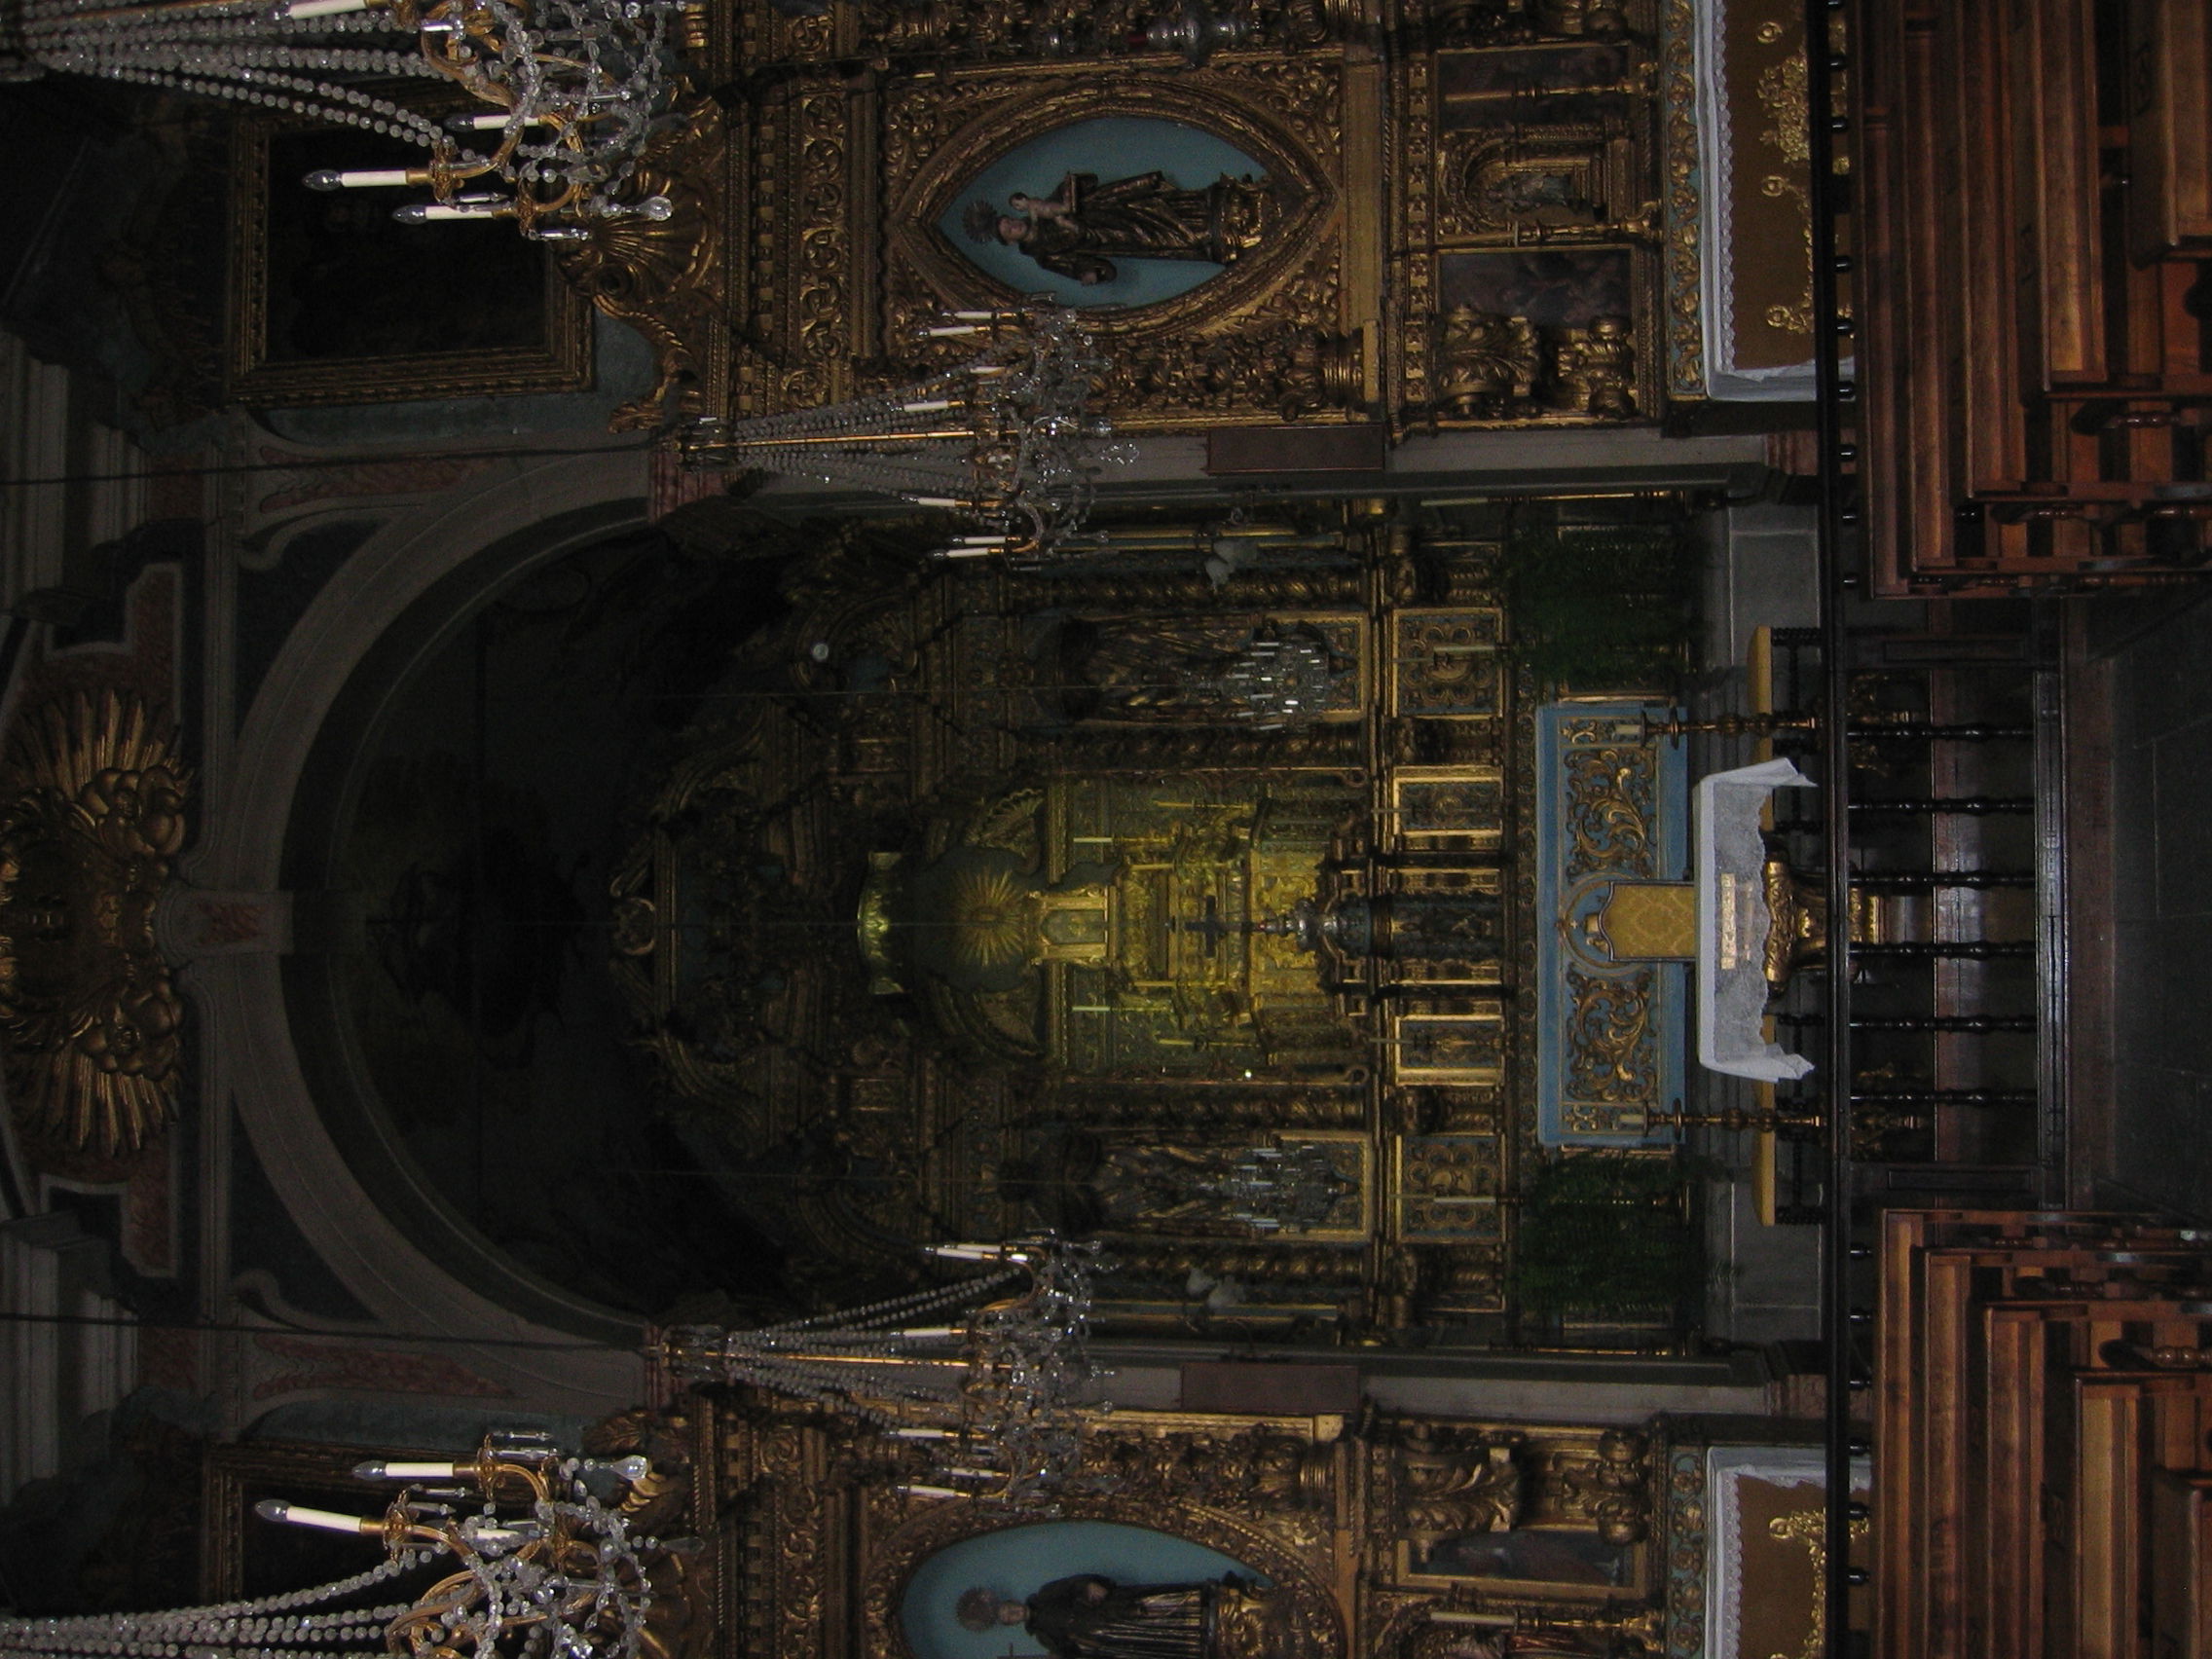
(1019, 1561)
(1608, 804)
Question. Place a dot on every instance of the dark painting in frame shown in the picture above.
(245, 1556)
(332, 301)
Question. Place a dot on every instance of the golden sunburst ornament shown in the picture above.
(92, 811)
(996, 922)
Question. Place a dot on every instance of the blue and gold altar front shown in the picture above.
(1615, 927)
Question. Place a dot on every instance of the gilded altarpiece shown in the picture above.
(1385, 1536)
(1461, 227)
(861, 130)
(1185, 917)
(1526, 187)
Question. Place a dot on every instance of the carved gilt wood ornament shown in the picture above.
(821, 1548)
(1402, 256)
(92, 811)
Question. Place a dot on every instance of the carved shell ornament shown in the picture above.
(92, 811)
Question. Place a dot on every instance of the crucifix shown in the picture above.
(1210, 926)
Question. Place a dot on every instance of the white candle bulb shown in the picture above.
(323, 8)
(425, 212)
(929, 408)
(364, 179)
(931, 1492)
(277, 1509)
(385, 1469)
(929, 1333)
(922, 1434)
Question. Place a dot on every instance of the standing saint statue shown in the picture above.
(1083, 227)
(1088, 1617)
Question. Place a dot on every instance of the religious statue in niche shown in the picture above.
(1272, 675)
(1081, 1182)
(1085, 225)
(1087, 1616)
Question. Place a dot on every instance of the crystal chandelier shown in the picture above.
(1004, 439)
(544, 1566)
(573, 86)
(993, 1399)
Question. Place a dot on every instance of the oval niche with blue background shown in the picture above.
(1111, 147)
(1020, 1560)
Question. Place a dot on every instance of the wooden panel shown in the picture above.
(2006, 1611)
(1291, 448)
(2101, 1466)
(1896, 1406)
(2181, 1566)
(2169, 163)
(2053, 58)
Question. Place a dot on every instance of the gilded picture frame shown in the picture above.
(842, 260)
(330, 302)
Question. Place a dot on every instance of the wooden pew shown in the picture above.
(2169, 163)
(2181, 1566)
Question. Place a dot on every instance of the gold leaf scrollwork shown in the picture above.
(1782, 93)
(1610, 803)
(664, 276)
(93, 810)
(1809, 1526)
(1612, 1055)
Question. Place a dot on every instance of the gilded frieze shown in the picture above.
(1364, 1534)
(1682, 277)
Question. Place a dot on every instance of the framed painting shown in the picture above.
(332, 301)
(244, 1556)
(1220, 227)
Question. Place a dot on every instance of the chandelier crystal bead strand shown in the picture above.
(572, 90)
(1005, 440)
(544, 1566)
(996, 1403)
